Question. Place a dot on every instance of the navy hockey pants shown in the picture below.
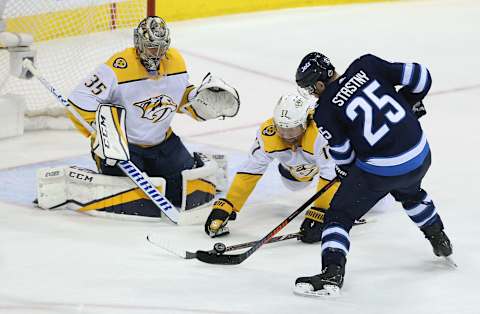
(166, 160)
(359, 192)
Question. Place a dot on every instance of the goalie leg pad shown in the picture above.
(96, 194)
(199, 188)
(86, 191)
(221, 175)
(199, 184)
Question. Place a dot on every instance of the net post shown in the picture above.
(151, 7)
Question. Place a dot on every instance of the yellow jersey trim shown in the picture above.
(272, 142)
(127, 66)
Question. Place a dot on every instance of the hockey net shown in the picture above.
(71, 37)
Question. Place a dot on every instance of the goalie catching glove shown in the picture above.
(222, 212)
(109, 142)
(214, 98)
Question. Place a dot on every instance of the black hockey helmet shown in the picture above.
(314, 67)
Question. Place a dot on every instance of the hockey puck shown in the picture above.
(219, 247)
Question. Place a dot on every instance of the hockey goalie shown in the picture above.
(130, 101)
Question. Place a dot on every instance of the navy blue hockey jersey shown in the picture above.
(367, 121)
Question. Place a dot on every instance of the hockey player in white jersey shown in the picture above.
(292, 138)
(146, 85)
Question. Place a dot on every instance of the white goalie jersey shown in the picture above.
(303, 162)
(150, 102)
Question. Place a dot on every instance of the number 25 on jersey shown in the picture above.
(365, 103)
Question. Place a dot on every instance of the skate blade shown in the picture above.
(306, 289)
(450, 262)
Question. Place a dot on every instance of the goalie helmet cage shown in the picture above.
(71, 38)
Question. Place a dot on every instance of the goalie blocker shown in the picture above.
(110, 141)
(92, 193)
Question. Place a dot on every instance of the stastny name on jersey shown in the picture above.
(350, 87)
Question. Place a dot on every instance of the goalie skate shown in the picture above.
(306, 289)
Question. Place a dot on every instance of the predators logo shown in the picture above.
(120, 63)
(304, 172)
(269, 130)
(157, 108)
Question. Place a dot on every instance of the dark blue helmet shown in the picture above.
(314, 67)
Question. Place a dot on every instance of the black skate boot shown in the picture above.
(327, 283)
(438, 239)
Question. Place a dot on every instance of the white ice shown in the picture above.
(65, 262)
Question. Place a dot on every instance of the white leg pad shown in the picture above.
(88, 192)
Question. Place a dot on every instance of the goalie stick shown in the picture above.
(220, 248)
(126, 166)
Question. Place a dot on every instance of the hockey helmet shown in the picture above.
(152, 40)
(290, 117)
(314, 67)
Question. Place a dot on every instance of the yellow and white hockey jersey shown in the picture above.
(303, 161)
(150, 102)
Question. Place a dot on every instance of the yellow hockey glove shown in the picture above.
(222, 212)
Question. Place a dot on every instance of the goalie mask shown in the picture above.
(152, 40)
(290, 117)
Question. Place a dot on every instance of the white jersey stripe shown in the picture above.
(422, 81)
(407, 73)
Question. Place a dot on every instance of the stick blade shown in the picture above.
(219, 259)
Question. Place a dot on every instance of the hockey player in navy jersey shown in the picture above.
(379, 146)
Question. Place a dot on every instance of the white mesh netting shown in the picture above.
(71, 38)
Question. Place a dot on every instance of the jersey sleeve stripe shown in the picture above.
(422, 82)
(343, 154)
(342, 148)
(407, 73)
(343, 159)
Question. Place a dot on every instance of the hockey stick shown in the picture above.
(220, 248)
(126, 166)
(235, 259)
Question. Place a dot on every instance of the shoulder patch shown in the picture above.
(120, 63)
(269, 130)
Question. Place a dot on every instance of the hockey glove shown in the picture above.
(419, 109)
(312, 227)
(222, 212)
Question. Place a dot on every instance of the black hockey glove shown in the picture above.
(216, 224)
(312, 226)
(341, 172)
(419, 109)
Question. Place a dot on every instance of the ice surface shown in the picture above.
(65, 262)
